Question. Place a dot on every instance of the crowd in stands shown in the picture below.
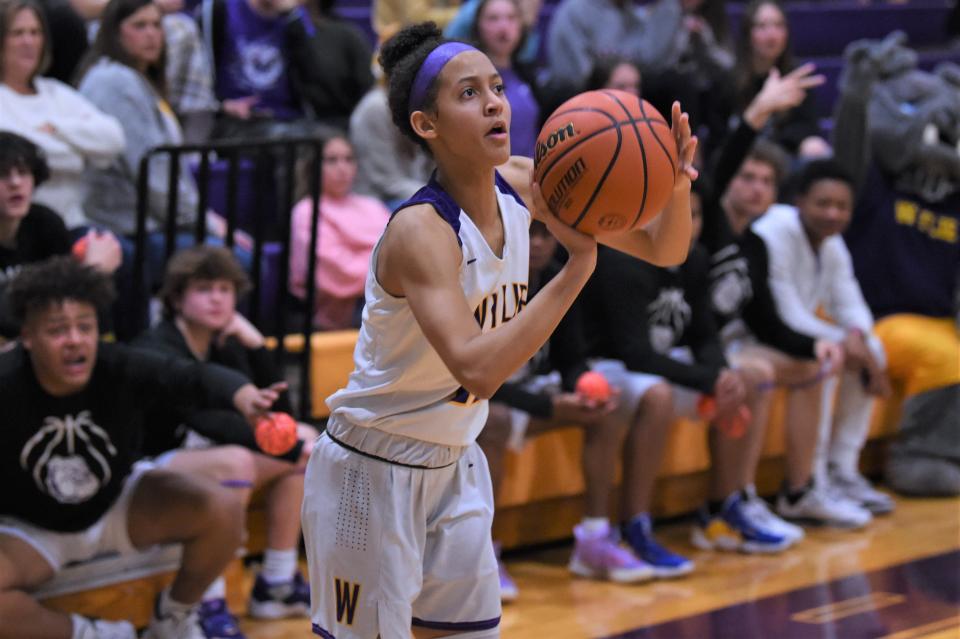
(824, 264)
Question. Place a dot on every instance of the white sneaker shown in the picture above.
(818, 506)
(100, 629)
(175, 626)
(856, 488)
(757, 510)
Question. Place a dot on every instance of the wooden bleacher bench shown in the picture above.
(541, 496)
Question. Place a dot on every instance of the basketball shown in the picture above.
(593, 386)
(276, 433)
(606, 162)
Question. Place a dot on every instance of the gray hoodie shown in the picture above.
(147, 122)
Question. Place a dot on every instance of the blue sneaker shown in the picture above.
(665, 564)
(734, 530)
(216, 620)
(278, 601)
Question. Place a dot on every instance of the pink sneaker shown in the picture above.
(600, 556)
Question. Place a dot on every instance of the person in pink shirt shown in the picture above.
(349, 227)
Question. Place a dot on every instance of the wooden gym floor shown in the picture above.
(898, 579)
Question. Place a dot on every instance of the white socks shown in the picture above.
(279, 566)
(595, 526)
(216, 590)
(169, 607)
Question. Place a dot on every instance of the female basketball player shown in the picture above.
(398, 504)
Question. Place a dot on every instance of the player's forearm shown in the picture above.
(487, 360)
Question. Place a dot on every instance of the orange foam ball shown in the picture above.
(79, 249)
(276, 433)
(594, 386)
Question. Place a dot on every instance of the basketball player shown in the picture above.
(398, 506)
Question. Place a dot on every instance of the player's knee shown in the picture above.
(12, 605)
(235, 464)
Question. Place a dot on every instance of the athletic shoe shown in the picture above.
(819, 507)
(857, 489)
(733, 530)
(757, 510)
(279, 601)
(85, 628)
(600, 556)
(217, 621)
(665, 564)
(508, 587)
(185, 625)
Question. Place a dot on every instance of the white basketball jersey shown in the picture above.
(399, 383)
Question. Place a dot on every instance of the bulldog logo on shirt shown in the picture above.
(261, 65)
(669, 316)
(67, 458)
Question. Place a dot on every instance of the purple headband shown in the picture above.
(431, 68)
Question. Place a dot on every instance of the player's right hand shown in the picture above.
(579, 245)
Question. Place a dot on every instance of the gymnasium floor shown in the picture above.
(899, 579)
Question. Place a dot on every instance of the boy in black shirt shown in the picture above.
(74, 416)
(200, 292)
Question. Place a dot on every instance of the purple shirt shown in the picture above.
(253, 61)
(525, 122)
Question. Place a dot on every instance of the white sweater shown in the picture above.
(802, 280)
(83, 135)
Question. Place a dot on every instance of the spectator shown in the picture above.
(632, 425)
(251, 44)
(335, 70)
(460, 27)
(75, 414)
(614, 72)
(31, 232)
(583, 31)
(72, 132)
(893, 133)
(389, 165)
(664, 330)
(68, 38)
(124, 76)
(745, 186)
(200, 292)
(348, 228)
(499, 32)
(189, 74)
(763, 47)
(810, 269)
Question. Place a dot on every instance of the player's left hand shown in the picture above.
(686, 143)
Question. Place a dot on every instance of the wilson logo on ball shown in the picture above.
(566, 132)
(569, 179)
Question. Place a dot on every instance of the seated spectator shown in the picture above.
(462, 24)
(583, 31)
(348, 228)
(664, 331)
(31, 232)
(892, 134)
(498, 32)
(72, 132)
(333, 65)
(390, 167)
(614, 72)
(189, 73)
(120, 65)
(75, 412)
(632, 426)
(250, 43)
(811, 270)
(389, 16)
(200, 293)
(763, 49)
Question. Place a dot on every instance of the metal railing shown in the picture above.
(267, 153)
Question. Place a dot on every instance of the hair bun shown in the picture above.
(405, 42)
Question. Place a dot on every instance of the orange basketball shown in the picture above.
(606, 162)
